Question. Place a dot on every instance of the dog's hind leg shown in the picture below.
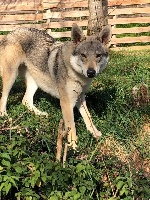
(10, 60)
(81, 105)
(8, 80)
(31, 88)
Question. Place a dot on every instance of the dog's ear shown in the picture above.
(76, 33)
(105, 35)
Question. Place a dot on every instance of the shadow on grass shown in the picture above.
(18, 90)
(99, 100)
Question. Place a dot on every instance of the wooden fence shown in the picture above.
(130, 19)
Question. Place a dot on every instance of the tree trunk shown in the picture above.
(97, 16)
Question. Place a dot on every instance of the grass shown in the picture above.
(115, 167)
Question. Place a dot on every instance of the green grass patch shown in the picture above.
(4, 32)
(133, 25)
(115, 167)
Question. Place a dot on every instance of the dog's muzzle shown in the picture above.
(91, 73)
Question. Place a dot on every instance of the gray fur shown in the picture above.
(65, 70)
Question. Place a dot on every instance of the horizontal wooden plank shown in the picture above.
(17, 23)
(14, 26)
(15, 12)
(42, 26)
(126, 40)
(38, 5)
(59, 34)
(131, 48)
(34, 5)
(66, 24)
(128, 11)
(131, 30)
(6, 2)
(116, 31)
(72, 14)
(85, 13)
(126, 2)
(21, 17)
(69, 24)
(68, 33)
(129, 20)
(85, 3)
(113, 40)
(114, 11)
(64, 4)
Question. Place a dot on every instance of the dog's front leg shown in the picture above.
(68, 116)
(81, 105)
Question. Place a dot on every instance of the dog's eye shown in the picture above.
(98, 55)
(83, 55)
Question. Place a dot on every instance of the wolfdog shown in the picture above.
(65, 71)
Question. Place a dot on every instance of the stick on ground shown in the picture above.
(61, 134)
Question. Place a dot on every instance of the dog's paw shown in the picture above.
(96, 133)
(32, 108)
(42, 113)
(38, 112)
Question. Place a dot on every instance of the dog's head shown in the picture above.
(90, 55)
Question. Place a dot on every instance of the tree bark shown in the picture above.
(97, 16)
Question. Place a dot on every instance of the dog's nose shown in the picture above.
(91, 73)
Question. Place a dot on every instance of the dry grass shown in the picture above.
(111, 147)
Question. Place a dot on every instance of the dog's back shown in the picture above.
(34, 43)
(28, 37)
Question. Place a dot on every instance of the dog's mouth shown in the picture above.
(91, 76)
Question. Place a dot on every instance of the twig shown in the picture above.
(9, 128)
(65, 154)
(19, 117)
(59, 140)
(10, 120)
(61, 135)
(2, 128)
